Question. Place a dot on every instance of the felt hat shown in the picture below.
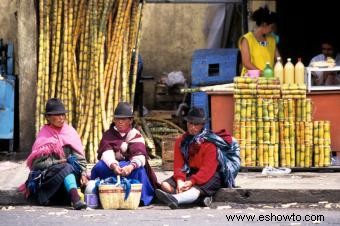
(123, 110)
(196, 115)
(54, 106)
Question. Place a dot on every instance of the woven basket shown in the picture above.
(112, 197)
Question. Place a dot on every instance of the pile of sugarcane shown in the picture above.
(293, 91)
(304, 110)
(267, 132)
(245, 129)
(287, 132)
(268, 88)
(244, 88)
(154, 130)
(304, 133)
(322, 142)
(304, 143)
(275, 130)
(87, 57)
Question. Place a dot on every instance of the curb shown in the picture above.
(12, 197)
(277, 195)
(241, 196)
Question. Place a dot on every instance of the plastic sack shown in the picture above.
(175, 77)
(92, 187)
(269, 170)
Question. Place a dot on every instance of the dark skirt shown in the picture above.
(102, 171)
(207, 189)
(52, 189)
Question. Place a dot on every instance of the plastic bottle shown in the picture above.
(268, 71)
(299, 72)
(278, 70)
(289, 72)
(81, 194)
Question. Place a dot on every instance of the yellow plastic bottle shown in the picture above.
(278, 70)
(81, 194)
(299, 72)
(289, 72)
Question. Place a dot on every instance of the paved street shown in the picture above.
(299, 214)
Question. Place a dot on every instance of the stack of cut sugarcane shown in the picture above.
(267, 132)
(287, 132)
(244, 88)
(245, 129)
(87, 57)
(322, 142)
(304, 143)
(283, 126)
(304, 133)
(244, 118)
(293, 91)
(268, 88)
(304, 110)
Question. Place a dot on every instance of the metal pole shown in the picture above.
(245, 16)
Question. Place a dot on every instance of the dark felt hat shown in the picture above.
(54, 106)
(123, 110)
(196, 115)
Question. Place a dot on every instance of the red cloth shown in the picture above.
(225, 135)
(202, 157)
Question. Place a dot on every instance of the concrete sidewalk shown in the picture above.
(252, 187)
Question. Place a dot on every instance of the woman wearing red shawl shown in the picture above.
(122, 152)
(57, 162)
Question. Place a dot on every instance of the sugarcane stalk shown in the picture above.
(101, 41)
(165, 121)
(125, 60)
(39, 98)
(47, 5)
(148, 134)
(114, 51)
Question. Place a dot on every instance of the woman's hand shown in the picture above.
(179, 187)
(127, 170)
(61, 161)
(83, 180)
(187, 185)
(116, 169)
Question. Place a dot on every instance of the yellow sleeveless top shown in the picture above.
(259, 54)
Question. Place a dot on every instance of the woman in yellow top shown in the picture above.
(259, 46)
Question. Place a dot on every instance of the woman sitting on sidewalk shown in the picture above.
(122, 152)
(203, 163)
(57, 162)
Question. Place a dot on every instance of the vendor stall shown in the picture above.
(326, 106)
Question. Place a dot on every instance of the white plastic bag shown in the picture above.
(269, 170)
(175, 77)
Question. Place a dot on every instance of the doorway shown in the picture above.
(302, 25)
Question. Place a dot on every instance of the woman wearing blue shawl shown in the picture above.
(203, 162)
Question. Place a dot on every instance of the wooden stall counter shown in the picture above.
(326, 106)
(222, 110)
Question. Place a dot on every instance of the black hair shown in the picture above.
(328, 40)
(264, 15)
